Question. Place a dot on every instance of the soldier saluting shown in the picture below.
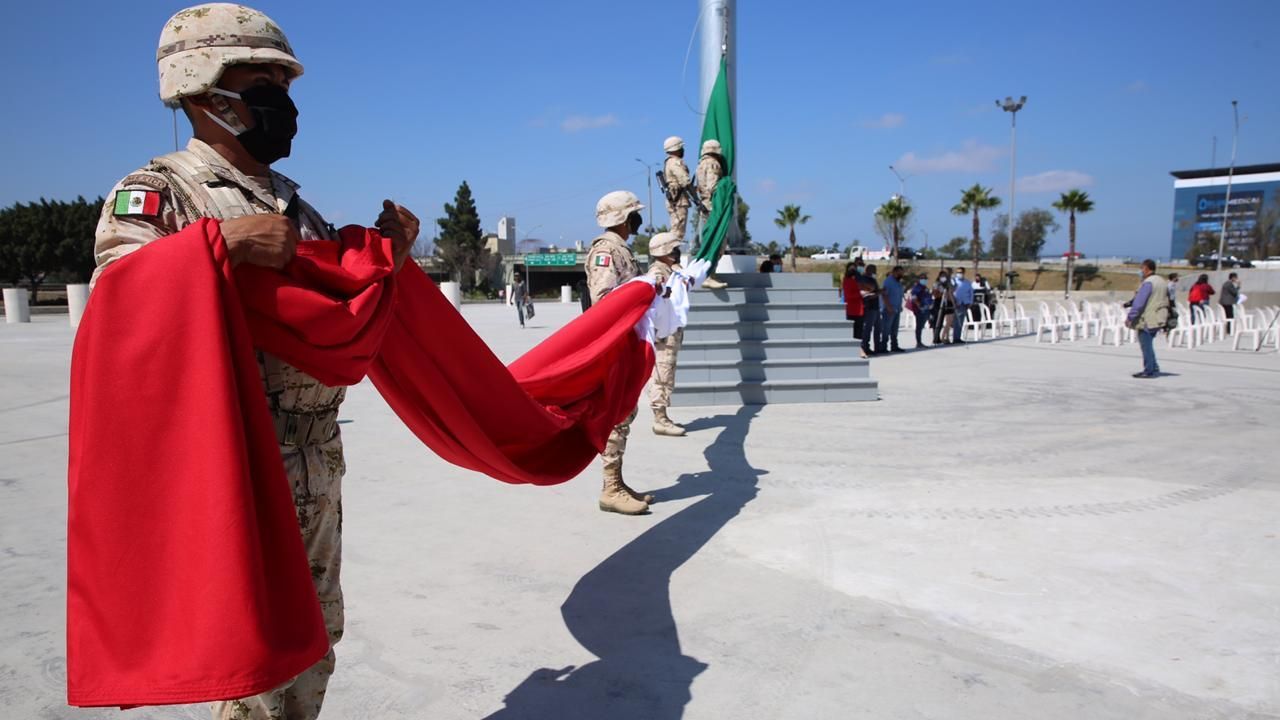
(229, 68)
(609, 264)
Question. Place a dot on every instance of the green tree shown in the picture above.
(955, 248)
(1029, 235)
(1072, 202)
(894, 213)
(788, 217)
(972, 201)
(47, 237)
(743, 210)
(460, 245)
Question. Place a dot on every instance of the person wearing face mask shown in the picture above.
(664, 255)
(609, 264)
(943, 308)
(921, 306)
(229, 68)
(710, 170)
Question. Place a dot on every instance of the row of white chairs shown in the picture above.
(1197, 326)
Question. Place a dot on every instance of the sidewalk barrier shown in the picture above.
(77, 298)
(16, 309)
(453, 291)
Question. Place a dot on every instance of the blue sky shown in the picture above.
(543, 107)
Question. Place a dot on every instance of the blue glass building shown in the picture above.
(1199, 197)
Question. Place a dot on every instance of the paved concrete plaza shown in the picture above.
(1013, 531)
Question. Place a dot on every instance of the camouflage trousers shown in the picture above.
(679, 218)
(664, 370)
(616, 447)
(315, 473)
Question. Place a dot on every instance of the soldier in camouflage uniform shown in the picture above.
(609, 264)
(710, 170)
(229, 67)
(664, 258)
(676, 174)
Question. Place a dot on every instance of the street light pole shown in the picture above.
(1226, 206)
(648, 175)
(902, 181)
(1012, 107)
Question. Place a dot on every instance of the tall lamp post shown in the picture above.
(902, 181)
(648, 175)
(1226, 206)
(1012, 107)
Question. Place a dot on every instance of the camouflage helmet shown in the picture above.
(664, 243)
(614, 208)
(198, 43)
(672, 144)
(711, 147)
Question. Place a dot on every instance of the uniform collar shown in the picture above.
(279, 195)
(611, 235)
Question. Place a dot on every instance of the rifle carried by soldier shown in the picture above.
(688, 191)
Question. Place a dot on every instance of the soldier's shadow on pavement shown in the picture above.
(621, 610)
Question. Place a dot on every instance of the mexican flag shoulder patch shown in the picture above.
(143, 203)
(602, 260)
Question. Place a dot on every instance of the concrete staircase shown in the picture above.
(770, 338)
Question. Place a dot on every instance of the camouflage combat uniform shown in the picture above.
(709, 173)
(677, 177)
(199, 183)
(609, 264)
(665, 351)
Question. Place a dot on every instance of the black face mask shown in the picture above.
(275, 122)
(634, 221)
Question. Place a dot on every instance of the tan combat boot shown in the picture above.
(713, 284)
(662, 425)
(617, 497)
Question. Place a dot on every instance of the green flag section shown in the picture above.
(718, 125)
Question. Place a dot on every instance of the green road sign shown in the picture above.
(558, 259)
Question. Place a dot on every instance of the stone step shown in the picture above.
(765, 295)
(746, 311)
(774, 391)
(769, 330)
(731, 371)
(774, 280)
(729, 350)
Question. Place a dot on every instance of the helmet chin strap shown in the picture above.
(226, 117)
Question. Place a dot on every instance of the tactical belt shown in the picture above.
(303, 429)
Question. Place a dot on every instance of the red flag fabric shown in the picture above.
(187, 579)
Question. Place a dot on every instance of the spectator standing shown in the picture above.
(1173, 288)
(921, 305)
(518, 296)
(891, 299)
(943, 308)
(1200, 292)
(1230, 297)
(872, 331)
(1148, 315)
(853, 302)
(963, 299)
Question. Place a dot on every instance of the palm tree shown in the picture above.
(895, 213)
(973, 200)
(789, 217)
(1072, 202)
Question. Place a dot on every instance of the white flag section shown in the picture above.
(669, 310)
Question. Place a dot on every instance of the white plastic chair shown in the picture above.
(1022, 319)
(1004, 321)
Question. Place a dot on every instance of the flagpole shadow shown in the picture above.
(621, 611)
